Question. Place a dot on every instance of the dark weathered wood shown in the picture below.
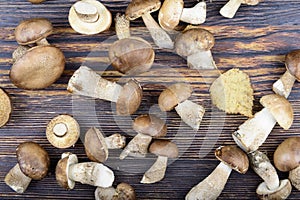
(255, 41)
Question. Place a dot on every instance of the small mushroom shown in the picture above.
(124, 191)
(68, 171)
(89, 17)
(195, 44)
(63, 131)
(5, 107)
(231, 7)
(211, 187)
(36, 1)
(254, 131)
(33, 163)
(173, 11)
(96, 145)
(147, 126)
(143, 8)
(284, 85)
(175, 96)
(87, 82)
(287, 159)
(164, 149)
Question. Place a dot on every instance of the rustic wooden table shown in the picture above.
(255, 41)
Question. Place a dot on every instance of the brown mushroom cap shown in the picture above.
(33, 160)
(234, 157)
(194, 40)
(169, 14)
(280, 108)
(33, 30)
(124, 191)
(164, 148)
(292, 63)
(173, 95)
(150, 125)
(95, 145)
(5, 107)
(130, 98)
(38, 68)
(137, 8)
(287, 155)
(123, 55)
(282, 192)
(63, 131)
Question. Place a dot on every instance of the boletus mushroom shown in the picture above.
(96, 145)
(175, 96)
(284, 85)
(195, 44)
(287, 159)
(143, 8)
(123, 191)
(89, 17)
(68, 171)
(63, 131)
(211, 187)
(87, 82)
(231, 7)
(33, 163)
(5, 107)
(254, 131)
(164, 149)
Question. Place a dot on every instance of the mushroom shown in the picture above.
(38, 68)
(271, 188)
(195, 44)
(254, 131)
(287, 159)
(175, 96)
(284, 85)
(173, 11)
(63, 131)
(19, 52)
(36, 1)
(231, 7)
(89, 17)
(122, 53)
(33, 163)
(68, 171)
(146, 126)
(143, 8)
(96, 145)
(5, 107)
(211, 187)
(164, 149)
(87, 82)
(124, 191)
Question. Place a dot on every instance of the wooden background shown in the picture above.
(255, 41)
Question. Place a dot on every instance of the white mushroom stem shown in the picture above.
(191, 113)
(212, 186)
(284, 85)
(91, 173)
(115, 141)
(87, 82)
(16, 180)
(42, 42)
(122, 25)
(254, 131)
(194, 15)
(86, 11)
(230, 8)
(60, 129)
(201, 60)
(159, 36)
(137, 147)
(157, 171)
(294, 176)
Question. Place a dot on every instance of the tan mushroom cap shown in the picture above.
(251, 2)
(173, 95)
(33, 160)
(194, 40)
(33, 30)
(282, 192)
(169, 14)
(280, 108)
(124, 191)
(234, 157)
(164, 148)
(63, 131)
(138, 8)
(36, 1)
(150, 125)
(292, 63)
(5, 107)
(38, 68)
(130, 98)
(102, 23)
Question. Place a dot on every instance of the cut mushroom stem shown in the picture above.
(157, 171)
(86, 11)
(115, 141)
(230, 8)
(122, 25)
(194, 15)
(284, 85)
(201, 60)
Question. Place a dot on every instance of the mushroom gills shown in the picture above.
(157, 171)
(17, 180)
(201, 60)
